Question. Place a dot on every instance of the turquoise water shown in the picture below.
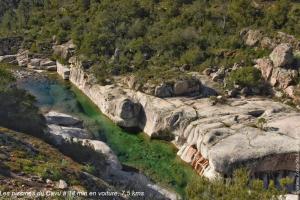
(157, 159)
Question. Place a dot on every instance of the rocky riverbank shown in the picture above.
(65, 130)
(31, 169)
(214, 134)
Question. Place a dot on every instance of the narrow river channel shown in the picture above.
(156, 159)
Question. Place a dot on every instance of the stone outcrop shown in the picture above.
(281, 70)
(252, 37)
(229, 138)
(293, 92)
(127, 113)
(267, 43)
(218, 75)
(215, 138)
(63, 133)
(32, 61)
(123, 110)
(282, 55)
(64, 51)
(23, 58)
(282, 37)
(59, 122)
(223, 136)
(63, 70)
(258, 38)
(282, 78)
(63, 128)
(189, 86)
(62, 119)
(164, 90)
(266, 67)
(42, 64)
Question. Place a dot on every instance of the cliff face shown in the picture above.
(213, 137)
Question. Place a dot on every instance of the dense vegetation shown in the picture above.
(17, 109)
(146, 36)
(237, 188)
(245, 77)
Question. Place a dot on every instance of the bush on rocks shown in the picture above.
(244, 77)
(239, 187)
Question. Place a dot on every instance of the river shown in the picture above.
(156, 159)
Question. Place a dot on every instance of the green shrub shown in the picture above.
(6, 78)
(193, 56)
(239, 187)
(89, 168)
(261, 122)
(245, 77)
(277, 14)
(242, 12)
(62, 36)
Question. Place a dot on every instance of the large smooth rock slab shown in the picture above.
(47, 62)
(62, 128)
(62, 119)
(104, 149)
(62, 134)
(113, 171)
(226, 134)
(42, 64)
(289, 125)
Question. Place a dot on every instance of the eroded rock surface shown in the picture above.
(256, 37)
(42, 64)
(281, 70)
(282, 55)
(63, 70)
(64, 51)
(224, 135)
(252, 37)
(62, 119)
(23, 57)
(61, 132)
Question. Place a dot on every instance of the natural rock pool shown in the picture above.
(156, 159)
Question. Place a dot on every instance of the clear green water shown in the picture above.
(157, 159)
